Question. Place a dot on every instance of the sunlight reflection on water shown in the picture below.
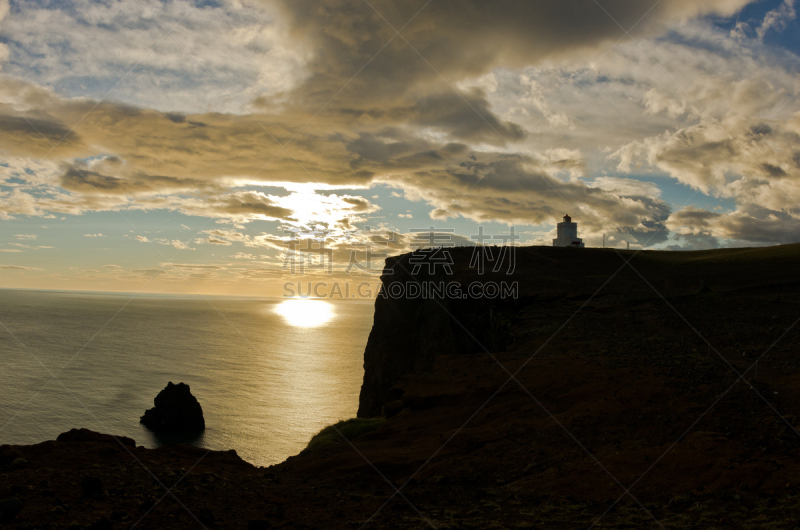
(306, 313)
(269, 374)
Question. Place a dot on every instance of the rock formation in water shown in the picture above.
(176, 410)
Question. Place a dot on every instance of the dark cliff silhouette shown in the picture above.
(622, 389)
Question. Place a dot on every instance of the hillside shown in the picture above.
(607, 392)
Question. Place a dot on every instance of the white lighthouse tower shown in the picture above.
(567, 234)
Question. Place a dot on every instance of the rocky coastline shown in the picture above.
(610, 391)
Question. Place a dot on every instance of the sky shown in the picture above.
(202, 146)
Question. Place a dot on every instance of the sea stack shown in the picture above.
(176, 410)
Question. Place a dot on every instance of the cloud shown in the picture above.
(142, 239)
(17, 268)
(535, 99)
(26, 236)
(627, 187)
(362, 251)
(471, 37)
(22, 245)
(148, 273)
(734, 137)
(180, 245)
(10, 250)
(249, 54)
(699, 241)
(487, 112)
(28, 135)
(225, 54)
(216, 241)
(520, 190)
(239, 206)
(739, 158)
(85, 181)
(748, 223)
(93, 235)
(193, 266)
(777, 19)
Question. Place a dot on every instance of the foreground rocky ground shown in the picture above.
(626, 409)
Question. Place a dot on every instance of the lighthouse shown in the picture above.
(567, 234)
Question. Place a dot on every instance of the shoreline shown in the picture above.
(614, 406)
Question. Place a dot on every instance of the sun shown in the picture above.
(305, 313)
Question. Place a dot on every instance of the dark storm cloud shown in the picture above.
(394, 148)
(748, 223)
(410, 79)
(700, 241)
(466, 37)
(465, 116)
(35, 136)
(772, 170)
(247, 205)
(359, 204)
(86, 181)
(651, 231)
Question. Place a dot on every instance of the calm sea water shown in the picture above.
(268, 376)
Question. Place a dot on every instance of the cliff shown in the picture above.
(660, 392)
(409, 333)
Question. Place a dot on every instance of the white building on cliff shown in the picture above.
(567, 234)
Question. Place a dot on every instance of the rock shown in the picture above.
(18, 463)
(91, 486)
(258, 524)
(176, 409)
(85, 435)
(9, 508)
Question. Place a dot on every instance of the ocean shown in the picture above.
(269, 373)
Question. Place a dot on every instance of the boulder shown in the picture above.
(176, 410)
(18, 463)
(85, 435)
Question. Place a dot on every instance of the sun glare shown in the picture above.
(305, 313)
